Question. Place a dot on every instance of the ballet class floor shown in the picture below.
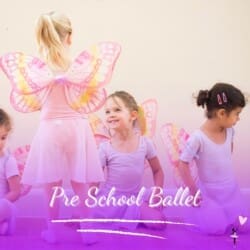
(28, 231)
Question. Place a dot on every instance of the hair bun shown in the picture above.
(202, 98)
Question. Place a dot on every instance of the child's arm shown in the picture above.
(13, 179)
(184, 170)
(157, 171)
(154, 163)
(14, 188)
(189, 153)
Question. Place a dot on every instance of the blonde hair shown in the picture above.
(51, 30)
(5, 120)
(130, 102)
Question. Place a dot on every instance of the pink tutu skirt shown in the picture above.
(63, 148)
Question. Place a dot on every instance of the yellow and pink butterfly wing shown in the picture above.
(29, 102)
(27, 74)
(85, 100)
(30, 79)
(99, 129)
(150, 109)
(174, 139)
(90, 71)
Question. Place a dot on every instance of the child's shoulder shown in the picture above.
(145, 139)
(196, 137)
(8, 162)
(104, 144)
(146, 142)
(8, 157)
(197, 133)
(5, 155)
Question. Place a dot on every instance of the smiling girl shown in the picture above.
(124, 157)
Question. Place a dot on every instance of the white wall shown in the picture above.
(170, 50)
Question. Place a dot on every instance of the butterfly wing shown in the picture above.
(150, 109)
(27, 74)
(28, 102)
(99, 129)
(90, 71)
(85, 100)
(30, 79)
(174, 139)
(94, 67)
(21, 154)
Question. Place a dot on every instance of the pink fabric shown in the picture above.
(63, 145)
(56, 105)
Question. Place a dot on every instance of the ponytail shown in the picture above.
(51, 31)
(202, 98)
(141, 120)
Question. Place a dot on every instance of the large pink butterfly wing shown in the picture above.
(174, 139)
(99, 129)
(150, 108)
(30, 79)
(90, 71)
(85, 100)
(94, 67)
(28, 102)
(27, 74)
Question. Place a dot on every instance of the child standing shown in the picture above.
(211, 146)
(9, 179)
(124, 157)
(64, 91)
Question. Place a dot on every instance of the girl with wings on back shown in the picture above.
(64, 91)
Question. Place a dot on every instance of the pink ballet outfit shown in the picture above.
(64, 145)
(124, 172)
(222, 202)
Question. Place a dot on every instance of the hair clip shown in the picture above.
(219, 99)
(224, 97)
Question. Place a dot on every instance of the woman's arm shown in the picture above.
(14, 188)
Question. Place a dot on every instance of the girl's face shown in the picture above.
(118, 116)
(229, 120)
(3, 137)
